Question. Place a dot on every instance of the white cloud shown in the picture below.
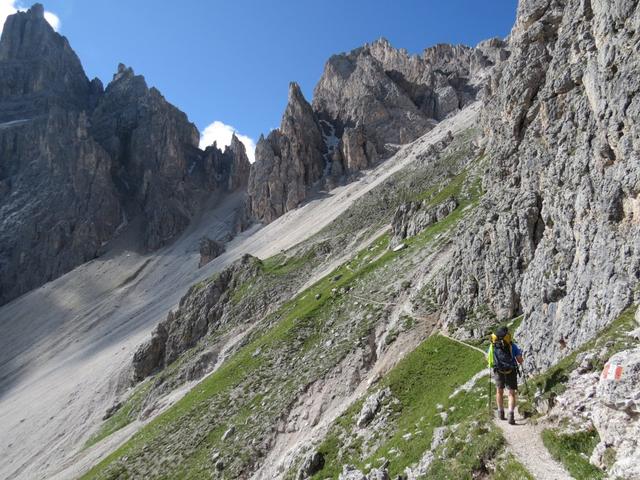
(9, 7)
(53, 20)
(221, 133)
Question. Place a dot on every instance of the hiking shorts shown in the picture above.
(508, 379)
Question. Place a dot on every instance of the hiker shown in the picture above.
(503, 357)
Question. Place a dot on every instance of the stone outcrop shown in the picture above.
(413, 217)
(209, 250)
(311, 465)
(79, 162)
(557, 236)
(371, 407)
(366, 101)
(616, 415)
(289, 160)
(201, 309)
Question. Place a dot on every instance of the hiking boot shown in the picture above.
(501, 415)
(512, 420)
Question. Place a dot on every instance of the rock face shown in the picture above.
(201, 309)
(153, 146)
(287, 161)
(366, 99)
(557, 236)
(77, 162)
(413, 217)
(209, 249)
(57, 202)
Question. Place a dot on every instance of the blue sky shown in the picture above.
(231, 61)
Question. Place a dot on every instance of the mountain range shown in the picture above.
(173, 312)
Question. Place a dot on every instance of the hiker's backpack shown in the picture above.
(502, 354)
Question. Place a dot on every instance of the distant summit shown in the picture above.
(80, 163)
(366, 103)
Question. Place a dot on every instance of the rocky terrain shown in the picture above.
(557, 237)
(366, 103)
(488, 185)
(81, 163)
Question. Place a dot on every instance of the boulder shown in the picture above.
(371, 406)
(312, 464)
(349, 472)
(617, 415)
(209, 250)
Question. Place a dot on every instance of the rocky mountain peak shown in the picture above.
(98, 158)
(37, 10)
(288, 161)
(295, 94)
(366, 101)
(27, 34)
(35, 60)
(123, 72)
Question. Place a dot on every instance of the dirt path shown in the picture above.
(524, 441)
(463, 343)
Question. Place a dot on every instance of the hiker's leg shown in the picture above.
(499, 398)
(513, 395)
(512, 405)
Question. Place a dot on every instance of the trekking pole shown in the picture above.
(489, 403)
(524, 379)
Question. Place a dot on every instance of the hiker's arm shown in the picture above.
(519, 359)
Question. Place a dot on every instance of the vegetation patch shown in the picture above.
(126, 414)
(574, 450)
(420, 386)
(508, 468)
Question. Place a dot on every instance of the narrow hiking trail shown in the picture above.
(524, 441)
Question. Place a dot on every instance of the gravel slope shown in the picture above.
(64, 346)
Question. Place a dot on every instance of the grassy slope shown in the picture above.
(298, 324)
(181, 440)
(424, 379)
(295, 324)
(130, 409)
(421, 392)
(574, 450)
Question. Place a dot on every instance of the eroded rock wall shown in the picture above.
(557, 236)
(366, 103)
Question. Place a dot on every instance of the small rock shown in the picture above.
(209, 250)
(313, 463)
(229, 432)
(371, 407)
(349, 472)
(112, 410)
(378, 474)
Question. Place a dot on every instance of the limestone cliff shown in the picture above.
(558, 234)
(366, 103)
(77, 161)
